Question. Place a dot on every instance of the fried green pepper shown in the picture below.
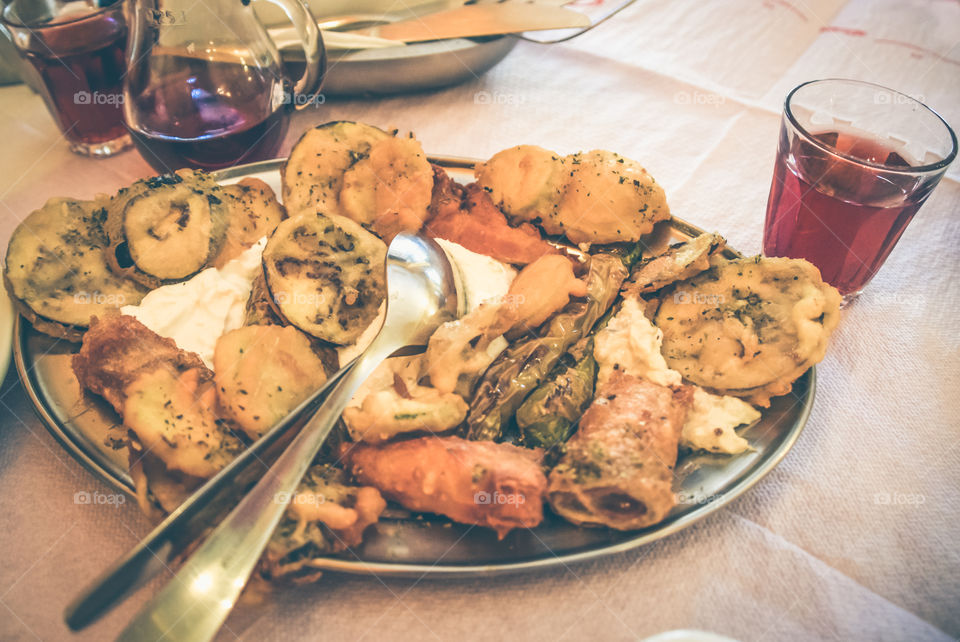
(548, 417)
(520, 369)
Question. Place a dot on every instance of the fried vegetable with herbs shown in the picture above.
(253, 213)
(548, 417)
(749, 327)
(325, 275)
(56, 270)
(166, 228)
(327, 514)
(313, 174)
(520, 369)
(590, 197)
(617, 471)
(262, 373)
(681, 261)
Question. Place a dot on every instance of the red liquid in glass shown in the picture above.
(843, 217)
(83, 79)
(186, 123)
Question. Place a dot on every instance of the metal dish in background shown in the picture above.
(402, 544)
(417, 67)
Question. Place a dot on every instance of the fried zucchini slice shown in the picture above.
(253, 212)
(166, 228)
(56, 270)
(263, 372)
(390, 190)
(313, 174)
(173, 414)
(325, 275)
(748, 327)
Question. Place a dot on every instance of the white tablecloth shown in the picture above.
(854, 536)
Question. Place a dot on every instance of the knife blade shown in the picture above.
(479, 20)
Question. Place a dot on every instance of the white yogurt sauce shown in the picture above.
(631, 343)
(481, 278)
(196, 312)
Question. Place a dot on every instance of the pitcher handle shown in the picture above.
(313, 50)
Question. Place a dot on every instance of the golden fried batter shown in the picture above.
(262, 373)
(473, 482)
(590, 197)
(252, 213)
(391, 189)
(117, 348)
(174, 416)
(749, 327)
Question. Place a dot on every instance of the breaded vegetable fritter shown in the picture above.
(263, 372)
(326, 275)
(253, 212)
(166, 228)
(56, 271)
(749, 327)
(590, 197)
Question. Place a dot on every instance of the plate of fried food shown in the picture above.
(616, 375)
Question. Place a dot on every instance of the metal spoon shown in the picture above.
(421, 296)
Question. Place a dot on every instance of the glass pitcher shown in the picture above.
(205, 87)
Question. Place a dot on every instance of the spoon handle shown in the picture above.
(194, 604)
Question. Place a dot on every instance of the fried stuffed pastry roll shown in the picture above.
(500, 486)
(618, 468)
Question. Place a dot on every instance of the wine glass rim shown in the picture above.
(897, 169)
(16, 22)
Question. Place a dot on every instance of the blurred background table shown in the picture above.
(854, 536)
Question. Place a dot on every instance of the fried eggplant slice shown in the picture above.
(174, 415)
(680, 262)
(589, 197)
(748, 327)
(166, 228)
(390, 190)
(56, 271)
(499, 486)
(326, 275)
(116, 349)
(263, 372)
(253, 212)
(481, 227)
(617, 470)
(313, 174)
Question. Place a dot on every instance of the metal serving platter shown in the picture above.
(414, 545)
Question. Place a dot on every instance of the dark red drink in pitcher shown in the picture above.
(843, 193)
(205, 88)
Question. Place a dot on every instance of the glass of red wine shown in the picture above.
(854, 163)
(73, 55)
(205, 88)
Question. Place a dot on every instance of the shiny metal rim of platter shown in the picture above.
(417, 545)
